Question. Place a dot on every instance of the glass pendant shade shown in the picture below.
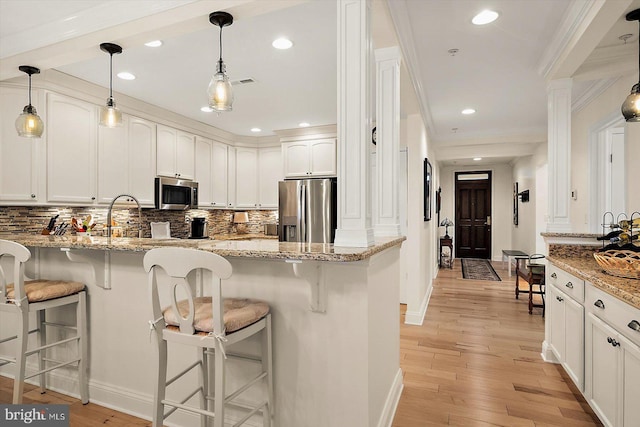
(220, 91)
(110, 116)
(631, 105)
(29, 124)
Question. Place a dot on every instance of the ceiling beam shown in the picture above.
(584, 27)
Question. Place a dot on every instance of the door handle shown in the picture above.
(569, 285)
(554, 275)
(635, 325)
(599, 304)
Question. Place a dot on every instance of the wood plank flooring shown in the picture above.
(474, 362)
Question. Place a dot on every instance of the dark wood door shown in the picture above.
(473, 215)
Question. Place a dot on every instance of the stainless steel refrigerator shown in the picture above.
(307, 210)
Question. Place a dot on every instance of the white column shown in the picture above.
(386, 220)
(559, 154)
(354, 123)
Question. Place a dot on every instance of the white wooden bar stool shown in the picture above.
(211, 324)
(36, 296)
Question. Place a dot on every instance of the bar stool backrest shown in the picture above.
(20, 256)
(178, 263)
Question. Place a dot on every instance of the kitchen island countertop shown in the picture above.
(253, 248)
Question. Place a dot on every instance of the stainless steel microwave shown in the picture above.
(176, 194)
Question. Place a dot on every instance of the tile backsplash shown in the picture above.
(26, 219)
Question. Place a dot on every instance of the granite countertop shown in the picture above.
(247, 236)
(261, 248)
(584, 267)
(572, 235)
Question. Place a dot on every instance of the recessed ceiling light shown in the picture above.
(304, 125)
(256, 130)
(126, 76)
(485, 17)
(154, 43)
(477, 159)
(468, 111)
(206, 109)
(282, 43)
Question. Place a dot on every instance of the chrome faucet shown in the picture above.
(111, 208)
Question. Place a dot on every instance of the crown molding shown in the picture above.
(596, 89)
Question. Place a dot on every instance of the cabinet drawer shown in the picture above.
(567, 283)
(620, 315)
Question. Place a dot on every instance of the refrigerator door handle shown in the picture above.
(302, 237)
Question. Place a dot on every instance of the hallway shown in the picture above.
(476, 361)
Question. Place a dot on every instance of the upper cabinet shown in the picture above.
(72, 134)
(203, 171)
(127, 157)
(246, 177)
(311, 158)
(20, 158)
(219, 174)
(176, 153)
(269, 173)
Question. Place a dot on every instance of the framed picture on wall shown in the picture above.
(438, 203)
(427, 190)
(515, 204)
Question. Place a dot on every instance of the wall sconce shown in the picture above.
(524, 196)
(240, 219)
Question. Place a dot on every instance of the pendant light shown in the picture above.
(631, 105)
(220, 91)
(110, 116)
(29, 124)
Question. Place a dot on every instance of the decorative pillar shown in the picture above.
(559, 154)
(386, 220)
(354, 123)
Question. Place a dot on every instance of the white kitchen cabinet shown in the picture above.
(311, 158)
(127, 160)
(203, 171)
(20, 158)
(231, 177)
(175, 153)
(629, 377)
(72, 135)
(269, 174)
(246, 177)
(566, 317)
(219, 174)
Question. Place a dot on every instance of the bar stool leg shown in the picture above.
(42, 338)
(203, 378)
(21, 349)
(218, 420)
(83, 346)
(161, 378)
(267, 365)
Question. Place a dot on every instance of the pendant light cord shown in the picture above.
(220, 46)
(29, 89)
(111, 76)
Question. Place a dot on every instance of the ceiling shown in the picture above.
(500, 69)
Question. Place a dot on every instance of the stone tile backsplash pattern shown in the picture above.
(31, 220)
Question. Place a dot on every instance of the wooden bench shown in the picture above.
(534, 274)
(511, 254)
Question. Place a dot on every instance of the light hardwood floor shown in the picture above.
(474, 362)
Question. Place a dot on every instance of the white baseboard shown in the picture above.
(417, 317)
(391, 404)
(547, 354)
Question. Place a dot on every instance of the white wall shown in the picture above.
(501, 201)
(422, 240)
(603, 106)
(530, 174)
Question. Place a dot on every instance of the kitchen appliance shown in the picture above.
(307, 210)
(175, 194)
(199, 228)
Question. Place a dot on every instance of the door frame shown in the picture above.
(491, 173)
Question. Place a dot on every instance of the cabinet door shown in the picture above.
(555, 309)
(18, 156)
(166, 151)
(203, 172)
(323, 157)
(72, 129)
(113, 167)
(602, 370)
(219, 174)
(246, 177)
(269, 173)
(185, 155)
(142, 160)
(295, 157)
(630, 378)
(574, 341)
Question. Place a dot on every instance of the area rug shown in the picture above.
(478, 269)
